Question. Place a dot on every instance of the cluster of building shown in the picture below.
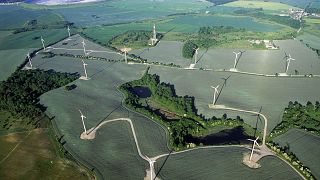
(299, 13)
(268, 43)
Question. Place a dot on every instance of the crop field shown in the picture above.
(24, 154)
(173, 53)
(99, 100)
(296, 3)
(220, 163)
(183, 24)
(260, 89)
(270, 6)
(31, 39)
(22, 16)
(10, 60)
(311, 39)
(127, 10)
(305, 146)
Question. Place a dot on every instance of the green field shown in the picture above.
(269, 6)
(31, 39)
(10, 60)
(34, 155)
(220, 163)
(305, 146)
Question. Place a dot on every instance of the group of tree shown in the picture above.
(188, 49)
(187, 122)
(34, 25)
(133, 38)
(20, 93)
(206, 37)
(299, 116)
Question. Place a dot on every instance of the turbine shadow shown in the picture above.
(224, 84)
(164, 162)
(100, 71)
(103, 119)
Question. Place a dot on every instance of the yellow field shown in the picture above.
(259, 4)
(33, 155)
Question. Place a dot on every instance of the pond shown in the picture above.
(141, 91)
(227, 136)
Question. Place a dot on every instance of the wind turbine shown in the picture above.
(215, 93)
(84, 126)
(125, 50)
(151, 164)
(154, 35)
(84, 47)
(29, 58)
(195, 55)
(253, 145)
(289, 59)
(85, 71)
(42, 41)
(69, 31)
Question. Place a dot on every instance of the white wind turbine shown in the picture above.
(69, 31)
(289, 59)
(29, 58)
(42, 41)
(255, 143)
(236, 59)
(195, 55)
(215, 94)
(85, 71)
(151, 164)
(82, 119)
(84, 47)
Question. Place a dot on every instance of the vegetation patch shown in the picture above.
(19, 94)
(179, 115)
(133, 39)
(36, 155)
(299, 116)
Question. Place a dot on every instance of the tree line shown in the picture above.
(19, 94)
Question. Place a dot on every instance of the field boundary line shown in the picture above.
(15, 148)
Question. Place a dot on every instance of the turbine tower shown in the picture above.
(84, 126)
(125, 50)
(42, 41)
(215, 93)
(69, 31)
(154, 36)
(84, 47)
(195, 55)
(85, 71)
(288, 60)
(151, 164)
(236, 60)
(29, 58)
(253, 145)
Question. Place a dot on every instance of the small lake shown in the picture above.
(228, 136)
(141, 91)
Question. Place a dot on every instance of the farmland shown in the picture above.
(33, 154)
(304, 145)
(269, 6)
(213, 163)
(120, 150)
